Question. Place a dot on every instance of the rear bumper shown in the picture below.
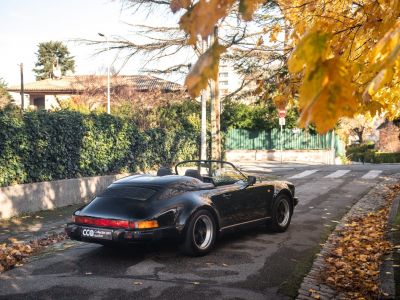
(122, 236)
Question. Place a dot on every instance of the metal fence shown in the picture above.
(241, 139)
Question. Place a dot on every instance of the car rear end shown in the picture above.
(121, 214)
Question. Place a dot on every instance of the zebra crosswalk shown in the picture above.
(337, 174)
(304, 174)
(372, 174)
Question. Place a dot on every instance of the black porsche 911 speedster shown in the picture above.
(212, 197)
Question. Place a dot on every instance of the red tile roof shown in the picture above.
(76, 84)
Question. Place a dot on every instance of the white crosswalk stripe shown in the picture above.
(372, 174)
(337, 174)
(304, 174)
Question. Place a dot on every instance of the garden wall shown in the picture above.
(27, 198)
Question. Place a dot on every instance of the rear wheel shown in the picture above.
(281, 214)
(199, 236)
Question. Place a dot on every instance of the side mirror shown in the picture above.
(251, 180)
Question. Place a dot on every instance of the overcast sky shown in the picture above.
(26, 23)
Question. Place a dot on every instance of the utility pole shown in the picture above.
(203, 124)
(215, 112)
(203, 134)
(21, 67)
(108, 72)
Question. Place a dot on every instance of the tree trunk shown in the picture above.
(215, 113)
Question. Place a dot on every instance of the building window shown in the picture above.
(223, 82)
(223, 74)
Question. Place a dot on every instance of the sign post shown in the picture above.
(282, 122)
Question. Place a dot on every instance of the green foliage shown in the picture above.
(49, 55)
(5, 97)
(164, 147)
(44, 146)
(382, 157)
(177, 115)
(366, 153)
(359, 152)
(254, 116)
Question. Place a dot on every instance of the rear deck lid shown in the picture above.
(120, 201)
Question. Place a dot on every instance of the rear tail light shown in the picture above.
(114, 223)
(101, 222)
(146, 224)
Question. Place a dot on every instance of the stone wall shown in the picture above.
(32, 197)
(389, 140)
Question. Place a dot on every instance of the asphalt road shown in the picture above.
(250, 264)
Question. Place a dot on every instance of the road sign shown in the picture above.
(282, 121)
(282, 113)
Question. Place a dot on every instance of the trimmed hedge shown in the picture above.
(44, 146)
(382, 157)
(359, 152)
(366, 153)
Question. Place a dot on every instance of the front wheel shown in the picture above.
(281, 214)
(200, 234)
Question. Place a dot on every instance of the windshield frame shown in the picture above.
(210, 161)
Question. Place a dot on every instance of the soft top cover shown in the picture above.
(162, 181)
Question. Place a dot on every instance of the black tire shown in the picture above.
(282, 211)
(200, 234)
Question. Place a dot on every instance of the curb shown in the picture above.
(386, 269)
(312, 287)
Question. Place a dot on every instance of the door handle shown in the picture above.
(226, 196)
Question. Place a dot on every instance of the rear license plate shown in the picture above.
(97, 233)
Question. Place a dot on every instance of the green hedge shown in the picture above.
(359, 152)
(381, 157)
(366, 153)
(44, 146)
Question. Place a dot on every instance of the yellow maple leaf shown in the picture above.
(248, 7)
(311, 48)
(202, 18)
(387, 49)
(273, 34)
(326, 95)
(205, 68)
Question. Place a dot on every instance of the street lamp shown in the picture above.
(108, 72)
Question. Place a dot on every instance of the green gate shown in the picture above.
(292, 139)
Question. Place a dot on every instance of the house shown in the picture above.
(389, 136)
(46, 94)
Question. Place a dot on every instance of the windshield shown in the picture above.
(221, 173)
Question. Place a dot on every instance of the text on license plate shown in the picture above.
(97, 233)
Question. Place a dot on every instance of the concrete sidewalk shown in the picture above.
(36, 225)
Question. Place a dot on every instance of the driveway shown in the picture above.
(250, 264)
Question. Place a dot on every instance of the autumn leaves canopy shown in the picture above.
(343, 54)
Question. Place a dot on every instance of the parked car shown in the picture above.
(211, 198)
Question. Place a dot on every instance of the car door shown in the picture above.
(230, 204)
(256, 200)
(239, 202)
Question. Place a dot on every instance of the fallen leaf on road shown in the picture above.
(352, 266)
(14, 253)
